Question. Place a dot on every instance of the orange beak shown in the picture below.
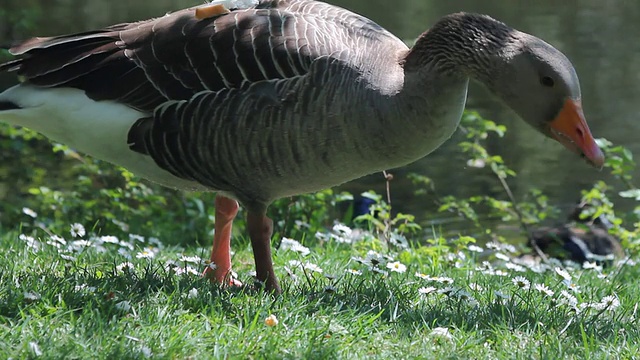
(571, 130)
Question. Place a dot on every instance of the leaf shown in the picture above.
(633, 193)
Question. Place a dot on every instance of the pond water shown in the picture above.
(598, 36)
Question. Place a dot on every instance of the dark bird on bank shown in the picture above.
(259, 100)
(582, 238)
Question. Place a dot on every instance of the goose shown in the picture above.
(263, 99)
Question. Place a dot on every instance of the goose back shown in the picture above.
(173, 57)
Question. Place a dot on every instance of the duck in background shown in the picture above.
(581, 239)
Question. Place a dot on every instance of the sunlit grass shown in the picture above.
(79, 295)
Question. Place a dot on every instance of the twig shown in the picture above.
(535, 246)
(388, 177)
(387, 223)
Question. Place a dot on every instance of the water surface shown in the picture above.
(598, 36)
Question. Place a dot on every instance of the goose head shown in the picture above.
(530, 76)
(541, 85)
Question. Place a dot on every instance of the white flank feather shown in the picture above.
(97, 128)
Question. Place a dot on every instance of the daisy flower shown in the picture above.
(610, 302)
(342, 229)
(125, 266)
(354, 272)
(447, 291)
(31, 296)
(293, 245)
(110, 239)
(136, 237)
(146, 253)
(502, 257)
(521, 282)
(563, 273)
(313, 267)
(423, 276)
(84, 288)
(427, 290)
(373, 259)
(568, 299)
(543, 289)
(571, 286)
(475, 287)
(443, 280)
(501, 295)
(191, 259)
(441, 332)
(193, 293)
(379, 271)
(155, 242)
(77, 230)
(515, 267)
(397, 266)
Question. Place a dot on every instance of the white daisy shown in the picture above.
(31, 296)
(563, 273)
(342, 229)
(423, 276)
(441, 332)
(312, 267)
(571, 286)
(354, 272)
(568, 299)
(136, 237)
(427, 290)
(443, 280)
(397, 266)
(193, 293)
(125, 266)
(610, 302)
(146, 253)
(475, 287)
(503, 257)
(109, 239)
(77, 230)
(293, 245)
(543, 289)
(515, 267)
(521, 282)
(191, 259)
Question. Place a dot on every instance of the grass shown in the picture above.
(135, 298)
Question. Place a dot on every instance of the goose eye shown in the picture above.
(547, 81)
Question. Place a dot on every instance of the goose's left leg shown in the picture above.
(260, 231)
(226, 211)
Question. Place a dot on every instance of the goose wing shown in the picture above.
(173, 57)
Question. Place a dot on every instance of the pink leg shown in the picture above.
(260, 231)
(226, 211)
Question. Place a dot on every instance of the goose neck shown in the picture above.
(463, 44)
